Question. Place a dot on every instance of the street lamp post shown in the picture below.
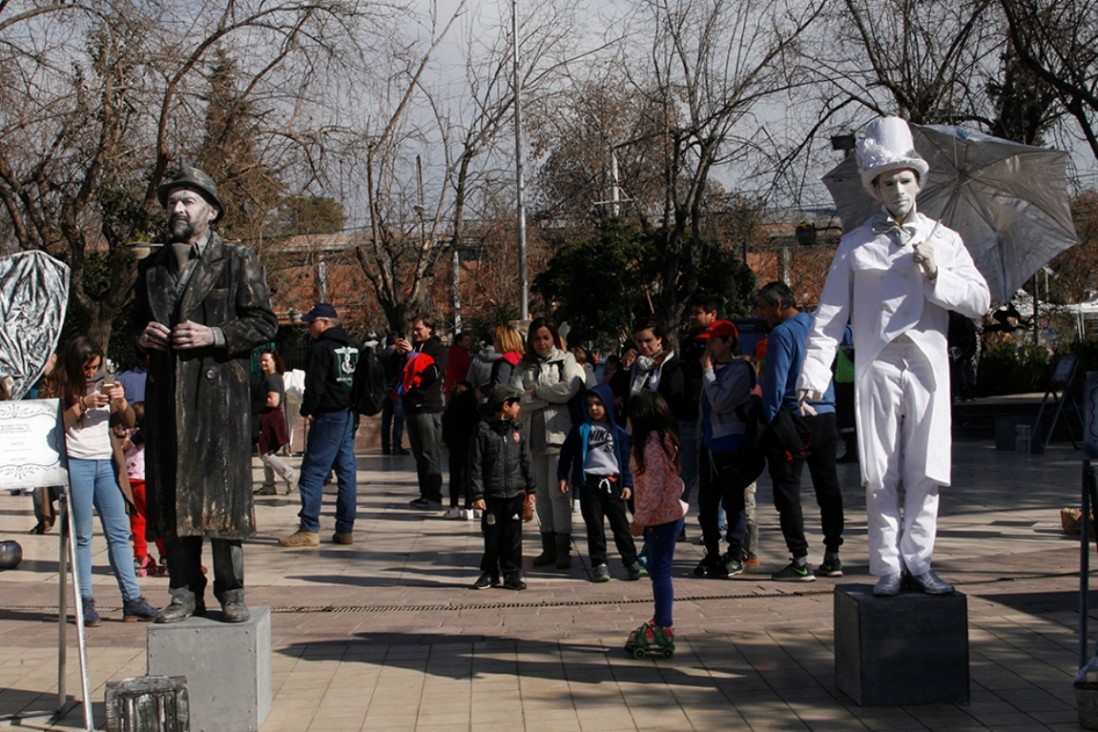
(524, 294)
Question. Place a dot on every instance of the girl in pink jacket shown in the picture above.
(659, 512)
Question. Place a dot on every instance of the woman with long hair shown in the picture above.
(272, 426)
(550, 378)
(89, 399)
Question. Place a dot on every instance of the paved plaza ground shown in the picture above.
(385, 635)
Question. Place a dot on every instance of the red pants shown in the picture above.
(137, 523)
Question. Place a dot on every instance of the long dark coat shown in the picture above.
(197, 404)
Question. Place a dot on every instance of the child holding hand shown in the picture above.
(659, 512)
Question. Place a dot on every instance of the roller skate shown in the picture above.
(651, 640)
(141, 566)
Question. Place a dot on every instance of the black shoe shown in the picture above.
(711, 567)
(386, 451)
(930, 583)
(401, 451)
(889, 585)
(732, 565)
(514, 582)
(830, 568)
(486, 580)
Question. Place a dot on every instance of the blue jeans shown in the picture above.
(661, 552)
(330, 445)
(93, 483)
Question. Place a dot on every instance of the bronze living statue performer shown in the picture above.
(203, 306)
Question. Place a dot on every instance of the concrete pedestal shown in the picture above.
(227, 667)
(908, 649)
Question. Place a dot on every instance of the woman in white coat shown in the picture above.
(895, 279)
(550, 378)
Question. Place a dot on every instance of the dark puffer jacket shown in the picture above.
(499, 461)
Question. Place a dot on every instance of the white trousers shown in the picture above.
(898, 387)
(554, 508)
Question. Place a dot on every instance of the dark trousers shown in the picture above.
(786, 477)
(424, 430)
(185, 566)
(501, 524)
(601, 498)
(459, 477)
(719, 487)
(392, 424)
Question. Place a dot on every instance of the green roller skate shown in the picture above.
(651, 640)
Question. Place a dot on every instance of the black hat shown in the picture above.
(500, 395)
(194, 179)
(320, 310)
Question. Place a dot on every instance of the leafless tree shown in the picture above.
(1058, 42)
(100, 99)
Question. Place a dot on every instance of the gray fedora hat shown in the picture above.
(194, 179)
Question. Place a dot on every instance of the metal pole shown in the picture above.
(457, 289)
(520, 213)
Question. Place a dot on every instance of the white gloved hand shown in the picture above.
(804, 396)
(924, 257)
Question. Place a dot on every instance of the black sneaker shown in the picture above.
(486, 580)
(513, 582)
(712, 567)
(732, 565)
(830, 568)
(794, 573)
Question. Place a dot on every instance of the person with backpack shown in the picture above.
(724, 450)
(786, 345)
(330, 444)
(420, 387)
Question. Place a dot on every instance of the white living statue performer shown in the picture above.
(895, 278)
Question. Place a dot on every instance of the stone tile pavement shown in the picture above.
(385, 635)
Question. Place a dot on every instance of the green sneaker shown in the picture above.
(793, 573)
(601, 573)
(830, 568)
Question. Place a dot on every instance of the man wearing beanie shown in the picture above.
(330, 445)
(895, 279)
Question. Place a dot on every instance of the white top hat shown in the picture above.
(887, 145)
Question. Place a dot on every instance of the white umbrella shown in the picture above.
(1008, 201)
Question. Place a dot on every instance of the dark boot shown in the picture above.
(233, 609)
(184, 604)
(564, 551)
(548, 550)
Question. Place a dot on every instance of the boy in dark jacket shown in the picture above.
(500, 483)
(595, 459)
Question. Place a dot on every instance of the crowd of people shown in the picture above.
(531, 428)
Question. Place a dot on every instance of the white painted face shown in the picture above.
(897, 190)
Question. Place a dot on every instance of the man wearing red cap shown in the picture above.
(203, 305)
(895, 279)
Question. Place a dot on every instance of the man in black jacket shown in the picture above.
(421, 386)
(326, 405)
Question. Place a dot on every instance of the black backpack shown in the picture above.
(370, 388)
(749, 461)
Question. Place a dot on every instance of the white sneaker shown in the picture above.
(467, 514)
(454, 512)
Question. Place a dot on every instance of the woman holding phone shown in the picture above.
(89, 400)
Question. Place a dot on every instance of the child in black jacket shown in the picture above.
(501, 485)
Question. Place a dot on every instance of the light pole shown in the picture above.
(520, 213)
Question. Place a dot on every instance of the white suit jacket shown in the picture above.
(875, 284)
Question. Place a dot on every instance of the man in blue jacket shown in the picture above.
(781, 412)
